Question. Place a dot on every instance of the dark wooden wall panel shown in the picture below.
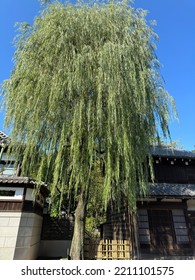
(177, 173)
(56, 228)
(12, 206)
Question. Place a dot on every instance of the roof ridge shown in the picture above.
(170, 151)
(16, 178)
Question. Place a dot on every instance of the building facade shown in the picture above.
(163, 227)
(26, 229)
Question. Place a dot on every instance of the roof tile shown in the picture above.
(172, 190)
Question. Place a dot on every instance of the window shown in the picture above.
(144, 233)
(181, 231)
(7, 169)
(11, 193)
(162, 228)
(7, 193)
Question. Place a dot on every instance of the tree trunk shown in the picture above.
(77, 245)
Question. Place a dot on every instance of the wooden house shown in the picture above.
(164, 225)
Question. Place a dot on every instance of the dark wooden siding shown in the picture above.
(11, 206)
(32, 207)
(56, 228)
(117, 226)
(178, 173)
(191, 218)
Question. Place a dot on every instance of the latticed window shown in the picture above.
(144, 232)
(162, 228)
(180, 227)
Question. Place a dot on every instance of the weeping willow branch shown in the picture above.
(86, 83)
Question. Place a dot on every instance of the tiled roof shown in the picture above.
(16, 180)
(172, 190)
(7, 180)
(170, 152)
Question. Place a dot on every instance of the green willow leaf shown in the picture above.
(86, 86)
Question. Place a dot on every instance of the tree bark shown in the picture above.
(77, 244)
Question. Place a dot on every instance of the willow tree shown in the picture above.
(86, 94)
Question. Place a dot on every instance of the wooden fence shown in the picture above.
(107, 249)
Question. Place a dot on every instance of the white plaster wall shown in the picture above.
(9, 224)
(31, 197)
(29, 194)
(29, 235)
(191, 204)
